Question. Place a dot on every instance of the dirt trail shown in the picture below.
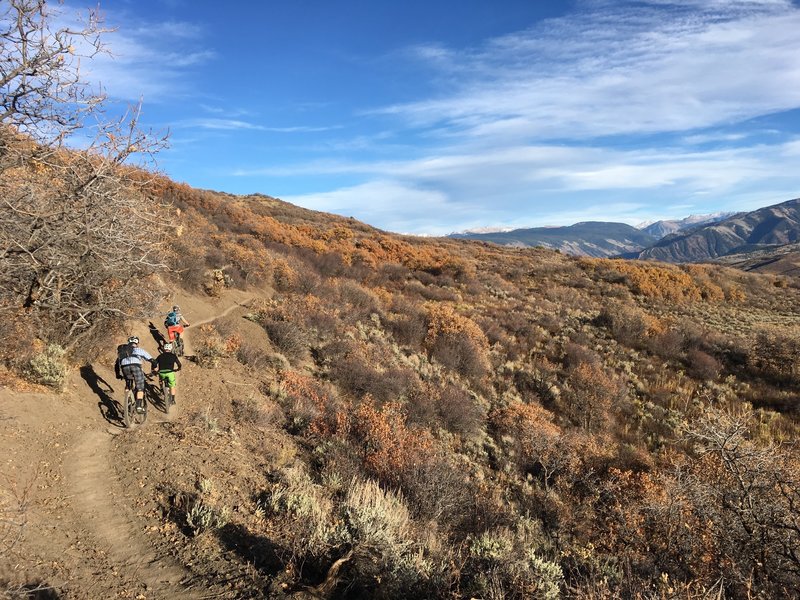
(103, 508)
(83, 533)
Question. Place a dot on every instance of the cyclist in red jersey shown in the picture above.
(175, 322)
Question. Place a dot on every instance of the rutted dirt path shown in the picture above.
(104, 509)
(85, 534)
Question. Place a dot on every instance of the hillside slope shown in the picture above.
(395, 417)
(777, 260)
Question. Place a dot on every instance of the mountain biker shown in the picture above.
(175, 322)
(129, 366)
(166, 364)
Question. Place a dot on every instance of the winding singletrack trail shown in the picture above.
(62, 460)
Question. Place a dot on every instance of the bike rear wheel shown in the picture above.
(130, 415)
(178, 344)
(140, 417)
(166, 395)
(128, 407)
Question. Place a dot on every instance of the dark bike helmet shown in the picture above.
(133, 340)
(176, 308)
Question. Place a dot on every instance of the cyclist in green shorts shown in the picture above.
(167, 364)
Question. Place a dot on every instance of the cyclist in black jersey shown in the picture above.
(167, 364)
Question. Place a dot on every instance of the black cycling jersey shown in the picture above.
(167, 361)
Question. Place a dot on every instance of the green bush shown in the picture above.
(504, 565)
(49, 367)
(203, 517)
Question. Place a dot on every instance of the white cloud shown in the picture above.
(706, 138)
(237, 124)
(547, 185)
(385, 204)
(222, 124)
(145, 59)
(619, 68)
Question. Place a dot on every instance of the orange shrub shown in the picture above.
(590, 394)
(309, 408)
(660, 282)
(390, 446)
(542, 449)
(285, 277)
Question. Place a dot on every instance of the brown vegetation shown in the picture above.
(429, 417)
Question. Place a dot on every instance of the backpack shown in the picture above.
(172, 319)
(124, 351)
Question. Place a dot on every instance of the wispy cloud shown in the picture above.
(379, 202)
(237, 124)
(619, 68)
(706, 138)
(520, 186)
(170, 29)
(222, 124)
(572, 168)
(149, 59)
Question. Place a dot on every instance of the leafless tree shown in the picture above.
(750, 492)
(43, 92)
(81, 234)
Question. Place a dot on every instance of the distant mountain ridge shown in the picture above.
(697, 238)
(774, 225)
(660, 229)
(590, 238)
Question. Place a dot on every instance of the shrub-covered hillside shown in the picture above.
(422, 418)
(460, 420)
(389, 417)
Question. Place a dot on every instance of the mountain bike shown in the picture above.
(174, 334)
(178, 344)
(130, 415)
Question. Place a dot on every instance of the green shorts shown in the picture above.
(169, 377)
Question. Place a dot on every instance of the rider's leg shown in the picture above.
(171, 379)
(140, 386)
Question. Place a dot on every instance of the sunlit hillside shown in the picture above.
(362, 415)
(393, 417)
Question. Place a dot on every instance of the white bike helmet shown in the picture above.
(168, 347)
(133, 340)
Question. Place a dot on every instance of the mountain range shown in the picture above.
(664, 228)
(698, 238)
(590, 238)
(758, 230)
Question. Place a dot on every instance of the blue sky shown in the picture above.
(438, 116)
